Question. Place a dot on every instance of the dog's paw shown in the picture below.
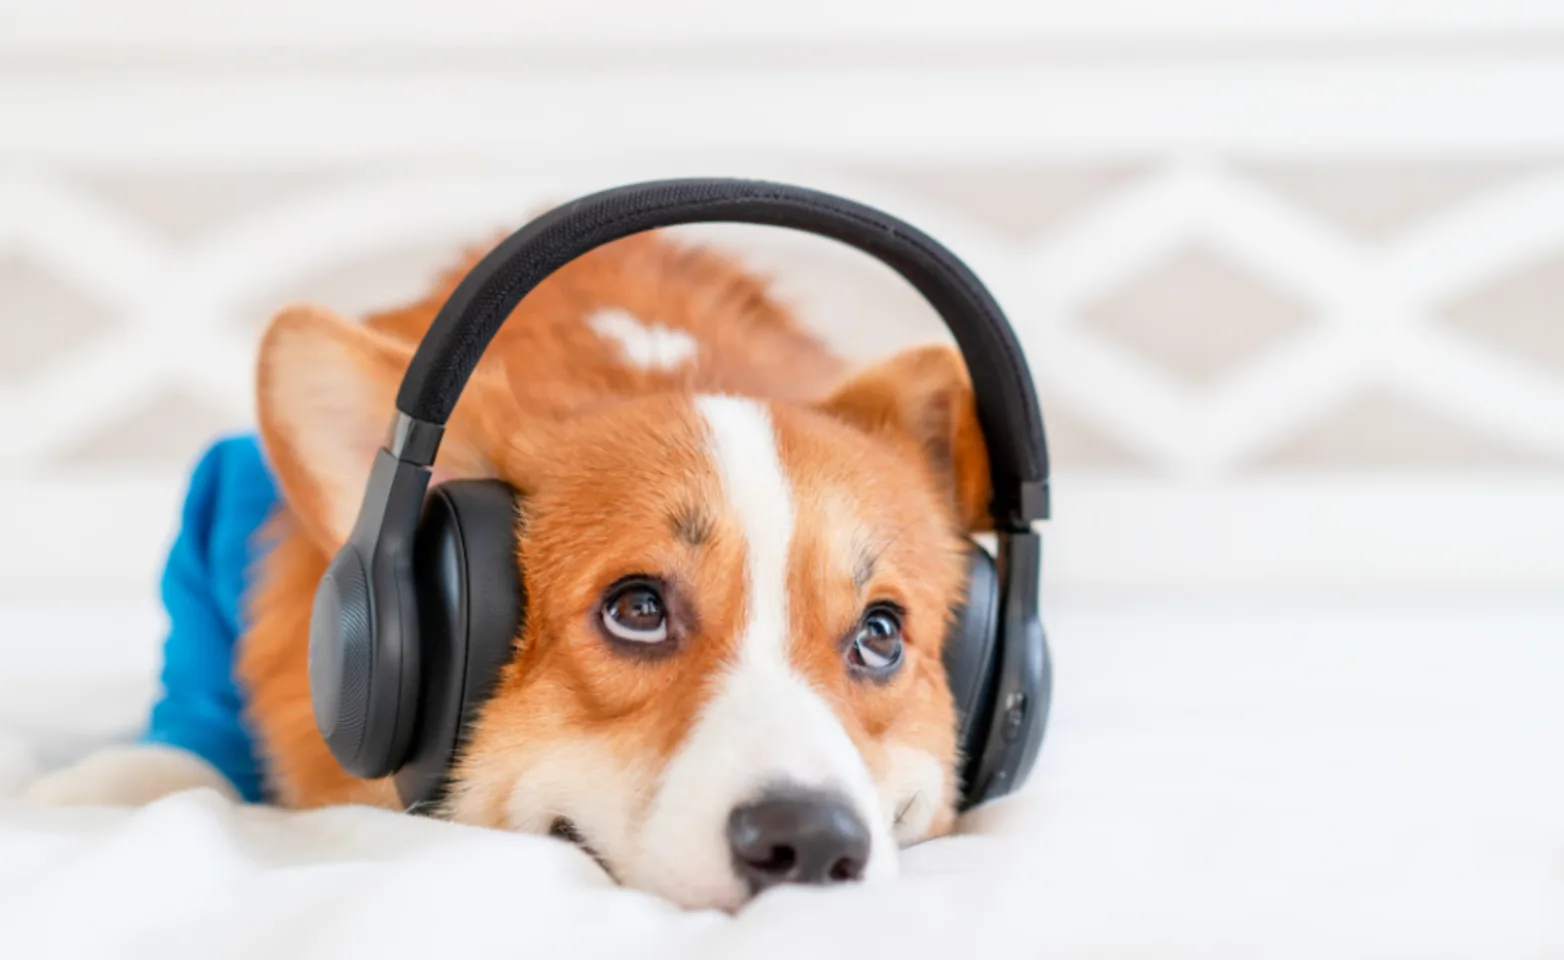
(127, 776)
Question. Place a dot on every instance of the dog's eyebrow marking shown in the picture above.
(865, 557)
(649, 346)
(691, 523)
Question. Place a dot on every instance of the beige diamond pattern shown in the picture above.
(42, 317)
(1196, 316)
(1021, 202)
(1376, 201)
(1522, 313)
(1378, 429)
(374, 280)
(167, 428)
(1188, 318)
(184, 207)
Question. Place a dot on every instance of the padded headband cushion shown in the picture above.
(1002, 383)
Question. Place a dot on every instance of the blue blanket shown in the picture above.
(200, 709)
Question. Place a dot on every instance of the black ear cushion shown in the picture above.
(969, 654)
(470, 606)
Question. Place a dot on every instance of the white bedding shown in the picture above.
(1219, 781)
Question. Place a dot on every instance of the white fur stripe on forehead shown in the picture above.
(743, 444)
(765, 727)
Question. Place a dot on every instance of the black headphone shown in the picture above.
(421, 608)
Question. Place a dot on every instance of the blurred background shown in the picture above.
(1290, 276)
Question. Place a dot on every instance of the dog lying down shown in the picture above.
(739, 559)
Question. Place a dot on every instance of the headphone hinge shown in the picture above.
(1032, 501)
(415, 441)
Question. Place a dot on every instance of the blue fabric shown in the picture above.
(231, 495)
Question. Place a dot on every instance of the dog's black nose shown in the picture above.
(798, 837)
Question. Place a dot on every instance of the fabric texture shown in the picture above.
(1222, 781)
(200, 707)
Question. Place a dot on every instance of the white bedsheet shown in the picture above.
(1219, 782)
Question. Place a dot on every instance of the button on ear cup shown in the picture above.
(969, 656)
(1019, 700)
(341, 655)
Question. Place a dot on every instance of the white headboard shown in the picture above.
(1291, 277)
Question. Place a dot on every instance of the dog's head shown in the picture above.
(729, 674)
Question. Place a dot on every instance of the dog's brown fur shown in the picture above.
(602, 451)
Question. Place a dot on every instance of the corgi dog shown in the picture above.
(739, 554)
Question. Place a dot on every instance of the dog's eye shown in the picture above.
(877, 643)
(635, 612)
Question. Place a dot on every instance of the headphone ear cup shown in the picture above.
(341, 657)
(471, 605)
(970, 656)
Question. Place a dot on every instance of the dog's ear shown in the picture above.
(326, 401)
(922, 397)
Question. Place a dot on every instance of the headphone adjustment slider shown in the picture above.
(415, 441)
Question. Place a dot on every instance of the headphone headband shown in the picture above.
(410, 625)
(1002, 384)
